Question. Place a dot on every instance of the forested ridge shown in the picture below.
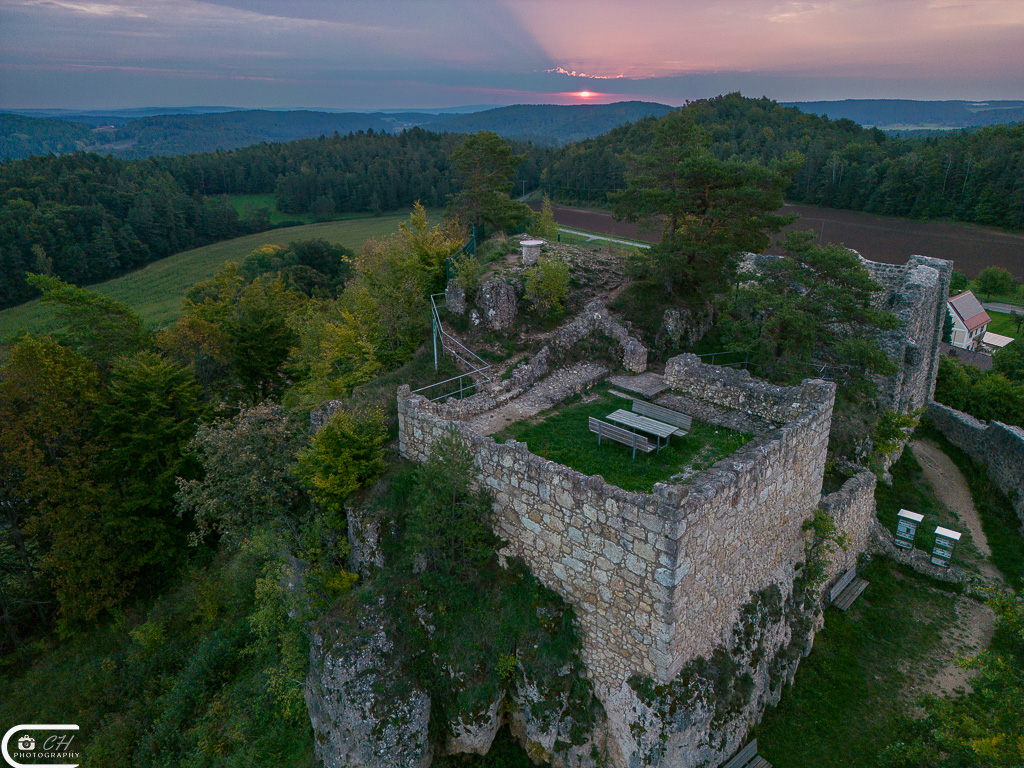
(972, 176)
(86, 218)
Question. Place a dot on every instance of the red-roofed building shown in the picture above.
(969, 320)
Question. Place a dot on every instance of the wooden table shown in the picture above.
(643, 424)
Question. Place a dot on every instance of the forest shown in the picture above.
(85, 218)
(972, 176)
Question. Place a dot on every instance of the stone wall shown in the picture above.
(916, 293)
(656, 579)
(999, 447)
(853, 509)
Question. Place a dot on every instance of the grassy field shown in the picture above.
(910, 490)
(241, 202)
(848, 703)
(998, 519)
(156, 290)
(563, 436)
(1004, 324)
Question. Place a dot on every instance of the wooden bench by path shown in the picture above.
(681, 421)
(619, 435)
(846, 590)
(747, 758)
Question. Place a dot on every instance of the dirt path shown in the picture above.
(966, 633)
(971, 629)
(952, 491)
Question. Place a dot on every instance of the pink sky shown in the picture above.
(432, 53)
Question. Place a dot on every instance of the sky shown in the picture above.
(421, 54)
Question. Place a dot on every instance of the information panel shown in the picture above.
(906, 528)
(945, 541)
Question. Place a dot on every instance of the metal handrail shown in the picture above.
(477, 365)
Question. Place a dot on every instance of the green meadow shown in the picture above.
(156, 290)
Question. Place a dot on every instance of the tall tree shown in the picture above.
(711, 210)
(486, 166)
(98, 327)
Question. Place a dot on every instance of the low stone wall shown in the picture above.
(853, 509)
(717, 395)
(999, 447)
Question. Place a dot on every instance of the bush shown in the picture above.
(346, 453)
(468, 270)
(993, 281)
(547, 285)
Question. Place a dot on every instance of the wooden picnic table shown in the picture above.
(644, 424)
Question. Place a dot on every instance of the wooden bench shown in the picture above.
(619, 435)
(846, 590)
(747, 758)
(681, 421)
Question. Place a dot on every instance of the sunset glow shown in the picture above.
(404, 53)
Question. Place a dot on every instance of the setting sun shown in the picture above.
(585, 94)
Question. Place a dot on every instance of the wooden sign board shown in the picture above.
(945, 542)
(906, 528)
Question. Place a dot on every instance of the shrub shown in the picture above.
(547, 285)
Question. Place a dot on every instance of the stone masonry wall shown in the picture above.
(916, 293)
(853, 509)
(738, 527)
(998, 446)
(656, 579)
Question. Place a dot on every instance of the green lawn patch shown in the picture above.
(847, 704)
(999, 521)
(156, 290)
(242, 204)
(1004, 324)
(562, 435)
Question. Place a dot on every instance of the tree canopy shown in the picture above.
(710, 209)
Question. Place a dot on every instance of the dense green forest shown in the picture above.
(973, 176)
(86, 218)
(26, 136)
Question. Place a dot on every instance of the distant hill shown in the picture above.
(183, 134)
(552, 125)
(136, 133)
(907, 115)
(25, 136)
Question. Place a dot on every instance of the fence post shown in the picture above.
(433, 320)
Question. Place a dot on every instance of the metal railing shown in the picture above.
(744, 363)
(479, 370)
(827, 371)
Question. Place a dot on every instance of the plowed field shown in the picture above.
(878, 238)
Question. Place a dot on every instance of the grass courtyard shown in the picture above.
(562, 435)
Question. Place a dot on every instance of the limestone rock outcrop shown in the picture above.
(497, 302)
(365, 713)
